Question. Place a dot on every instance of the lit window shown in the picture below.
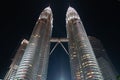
(36, 36)
(39, 75)
(90, 76)
(32, 44)
(74, 52)
(74, 55)
(30, 65)
(77, 75)
(82, 38)
(85, 45)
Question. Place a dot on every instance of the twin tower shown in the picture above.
(34, 63)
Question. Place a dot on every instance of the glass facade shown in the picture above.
(31, 60)
(83, 62)
(106, 66)
(35, 59)
(16, 61)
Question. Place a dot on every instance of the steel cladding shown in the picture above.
(82, 59)
(35, 59)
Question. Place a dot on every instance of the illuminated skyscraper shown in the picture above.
(16, 61)
(35, 59)
(106, 66)
(83, 62)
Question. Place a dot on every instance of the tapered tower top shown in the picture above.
(46, 13)
(48, 9)
(71, 14)
(25, 41)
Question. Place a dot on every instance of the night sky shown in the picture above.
(101, 18)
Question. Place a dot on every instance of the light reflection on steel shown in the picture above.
(34, 63)
(16, 61)
(83, 63)
(58, 40)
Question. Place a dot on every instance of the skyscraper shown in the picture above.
(34, 63)
(106, 66)
(83, 62)
(16, 61)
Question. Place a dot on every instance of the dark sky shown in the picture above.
(101, 18)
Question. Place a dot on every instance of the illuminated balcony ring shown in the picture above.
(48, 12)
(71, 14)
